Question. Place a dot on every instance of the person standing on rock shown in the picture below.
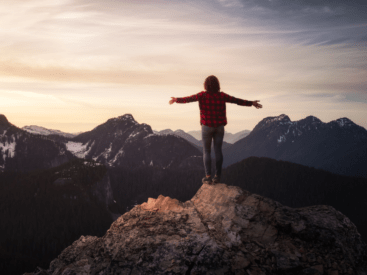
(212, 105)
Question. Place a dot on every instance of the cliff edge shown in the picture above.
(221, 230)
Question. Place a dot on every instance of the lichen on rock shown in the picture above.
(221, 230)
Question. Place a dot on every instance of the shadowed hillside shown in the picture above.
(44, 211)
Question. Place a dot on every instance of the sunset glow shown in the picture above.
(72, 64)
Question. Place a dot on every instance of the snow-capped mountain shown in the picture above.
(122, 141)
(339, 146)
(23, 151)
(38, 130)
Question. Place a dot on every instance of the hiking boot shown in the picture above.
(216, 179)
(207, 180)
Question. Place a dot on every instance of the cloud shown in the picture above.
(317, 22)
(137, 54)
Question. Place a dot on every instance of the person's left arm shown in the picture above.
(242, 102)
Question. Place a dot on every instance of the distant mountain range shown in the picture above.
(228, 137)
(339, 146)
(38, 130)
(192, 136)
(180, 133)
(23, 151)
(188, 137)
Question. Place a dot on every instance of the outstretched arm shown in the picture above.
(173, 100)
(256, 104)
(242, 102)
(186, 99)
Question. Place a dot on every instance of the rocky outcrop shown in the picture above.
(221, 230)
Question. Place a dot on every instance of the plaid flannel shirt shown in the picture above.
(213, 106)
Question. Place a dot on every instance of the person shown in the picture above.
(212, 105)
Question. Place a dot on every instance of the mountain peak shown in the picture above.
(281, 118)
(345, 122)
(222, 228)
(126, 117)
(310, 120)
(3, 120)
(313, 119)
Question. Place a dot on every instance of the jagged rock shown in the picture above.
(221, 230)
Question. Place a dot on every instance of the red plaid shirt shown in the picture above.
(213, 106)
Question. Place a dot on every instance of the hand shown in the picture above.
(173, 100)
(256, 104)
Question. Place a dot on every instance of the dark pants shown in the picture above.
(215, 134)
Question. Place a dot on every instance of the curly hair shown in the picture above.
(211, 84)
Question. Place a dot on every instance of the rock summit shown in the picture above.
(221, 230)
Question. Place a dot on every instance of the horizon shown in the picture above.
(70, 65)
(187, 131)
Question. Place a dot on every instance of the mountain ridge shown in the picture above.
(308, 141)
(122, 141)
(23, 151)
(39, 130)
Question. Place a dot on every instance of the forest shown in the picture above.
(39, 218)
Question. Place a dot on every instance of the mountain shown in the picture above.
(23, 151)
(339, 146)
(228, 137)
(233, 138)
(198, 143)
(38, 130)
(221, 230)
(181, 134)
(122, 141)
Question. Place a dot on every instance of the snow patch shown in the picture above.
(92, 164)
(343, 122)
(107, 152)
(152, 135)
(78, 149)
(119, 153)
(281, 139)
(283, 118)
(8, 149)
(38, 130)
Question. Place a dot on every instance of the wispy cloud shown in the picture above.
(99, 55)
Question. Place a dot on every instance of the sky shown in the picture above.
(73, 64)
